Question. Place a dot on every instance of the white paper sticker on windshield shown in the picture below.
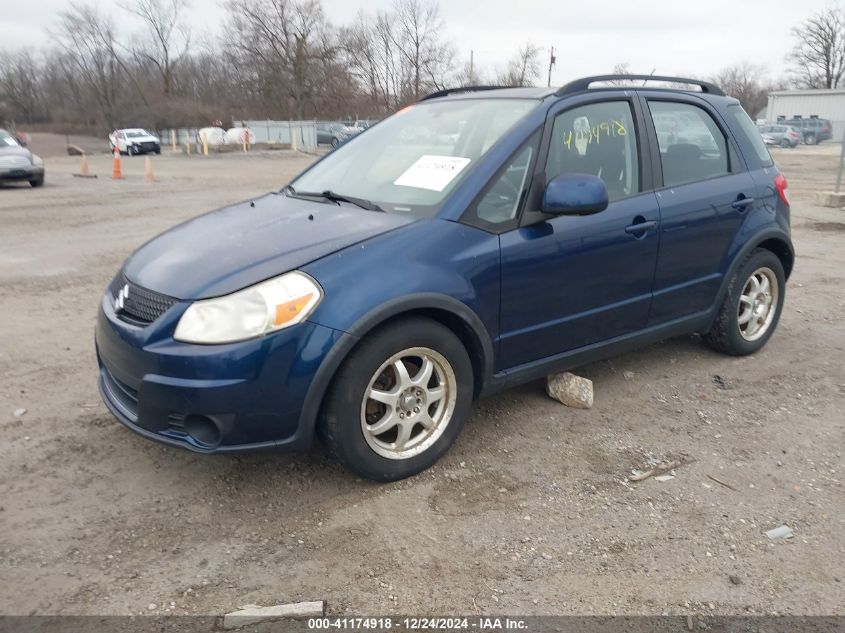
(432, 172)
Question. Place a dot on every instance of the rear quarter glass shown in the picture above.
(750, 131)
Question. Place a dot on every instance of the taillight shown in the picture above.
(782, 188)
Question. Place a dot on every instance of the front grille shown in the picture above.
(138, 305)
(9, 162)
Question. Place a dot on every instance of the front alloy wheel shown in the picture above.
(399, 400)
(408, 403)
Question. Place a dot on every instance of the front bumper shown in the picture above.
(147, 147)
(21, 173)
(253, 391)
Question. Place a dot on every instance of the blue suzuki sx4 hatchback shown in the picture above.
(475, 240)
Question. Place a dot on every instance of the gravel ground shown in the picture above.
(530, 512)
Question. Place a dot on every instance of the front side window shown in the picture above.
(500, 204)
(411, 162)
(597, 139)
(692, 147)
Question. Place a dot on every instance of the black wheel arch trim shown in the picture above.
(766, 235)
(417, 303)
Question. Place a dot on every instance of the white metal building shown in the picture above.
(824, 104)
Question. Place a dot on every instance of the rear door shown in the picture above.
(705, 196)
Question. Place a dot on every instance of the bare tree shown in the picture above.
(89, 40)
(167, 39)
(523, 69)
(418, 39)
(818, 58)
(281, 42)
(747, 83)
(469, 74)
(20, 84)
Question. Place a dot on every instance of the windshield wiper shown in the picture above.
(328, 194)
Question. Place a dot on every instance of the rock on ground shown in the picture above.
(571, 390)
(253, 614)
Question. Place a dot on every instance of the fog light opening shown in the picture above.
(204, 431)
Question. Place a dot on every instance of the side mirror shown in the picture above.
(575, 194)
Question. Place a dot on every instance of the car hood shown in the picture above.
(237, 246)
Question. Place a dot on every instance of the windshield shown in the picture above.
(7, 140)
(137, 133)
(410, 162)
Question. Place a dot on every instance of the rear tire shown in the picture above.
(335, 142)
(433, 409)
(752, 306)
(810, 139)
(785, 143)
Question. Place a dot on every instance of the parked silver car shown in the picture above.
(17, 163)
(783, 135)
(334, 133)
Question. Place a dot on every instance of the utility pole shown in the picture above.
(552, 60)
(471, 77)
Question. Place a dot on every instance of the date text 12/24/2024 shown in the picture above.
(418, 624)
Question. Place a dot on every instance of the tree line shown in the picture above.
(283, 59)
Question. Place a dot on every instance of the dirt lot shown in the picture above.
(530, 512)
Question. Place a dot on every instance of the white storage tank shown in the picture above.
(235, 136)
(211, 136)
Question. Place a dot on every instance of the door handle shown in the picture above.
(640, 227)
(741, 203)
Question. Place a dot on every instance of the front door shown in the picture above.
(572, 281)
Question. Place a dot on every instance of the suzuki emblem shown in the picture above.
(121, 297)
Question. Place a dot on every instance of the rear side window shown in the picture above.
(692, 146)
(748, 128)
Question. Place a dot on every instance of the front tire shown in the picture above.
(335, 142)
(37, 182)
(399, 401)
(752, 306)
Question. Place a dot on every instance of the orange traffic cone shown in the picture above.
(116, 172)
(83, 168)
(148, 170)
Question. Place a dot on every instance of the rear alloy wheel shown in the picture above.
(785, 143)
(399, 400)
(752, 305)
(810, 139)
(757, 304)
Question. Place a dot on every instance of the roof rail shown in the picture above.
(452, 91)
(580, 85)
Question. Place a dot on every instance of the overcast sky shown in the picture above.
(590, 36)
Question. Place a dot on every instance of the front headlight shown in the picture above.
(37, 161)
(266, 307)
